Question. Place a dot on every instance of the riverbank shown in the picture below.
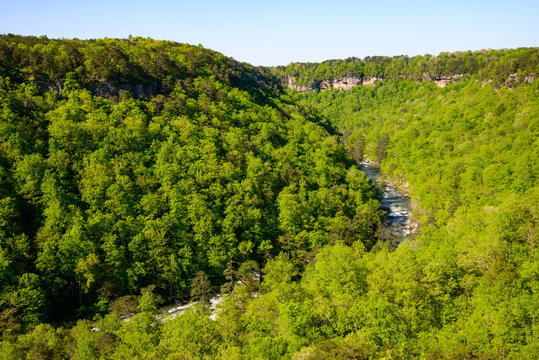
(394, 202)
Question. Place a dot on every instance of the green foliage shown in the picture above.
(502, 67)
(148, 302)
(201, 288)
(191, 336)
(209, 174)
(467, 154)
(381, 148)
(107, 190)
(43, 342)
(110, 65)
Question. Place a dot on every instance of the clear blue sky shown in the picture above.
(277, 32)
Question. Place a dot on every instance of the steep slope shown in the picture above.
(501, 67)
(105, 193)
(165, 170)
(144, 67)
(468, 156)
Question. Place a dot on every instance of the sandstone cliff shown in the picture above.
(344, 83)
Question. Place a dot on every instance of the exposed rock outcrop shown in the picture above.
(412, 225)
(443, 81)
(106, 89)
(514, 79)
(290, 81)
(372, 80)
(348, 82)
(344, 83)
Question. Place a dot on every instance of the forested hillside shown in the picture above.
(137, 172)
(468, 156)
(501, 67)
(107, 66)
(103, 197)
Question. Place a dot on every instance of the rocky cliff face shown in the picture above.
(372, 80)
(515, 79)
(443, 81)
(106, 89)
(344, 83)
(290, 81)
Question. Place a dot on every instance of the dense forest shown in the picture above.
(500, 67)
(468, 156)
(135, 173)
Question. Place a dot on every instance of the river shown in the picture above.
(397, 205)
